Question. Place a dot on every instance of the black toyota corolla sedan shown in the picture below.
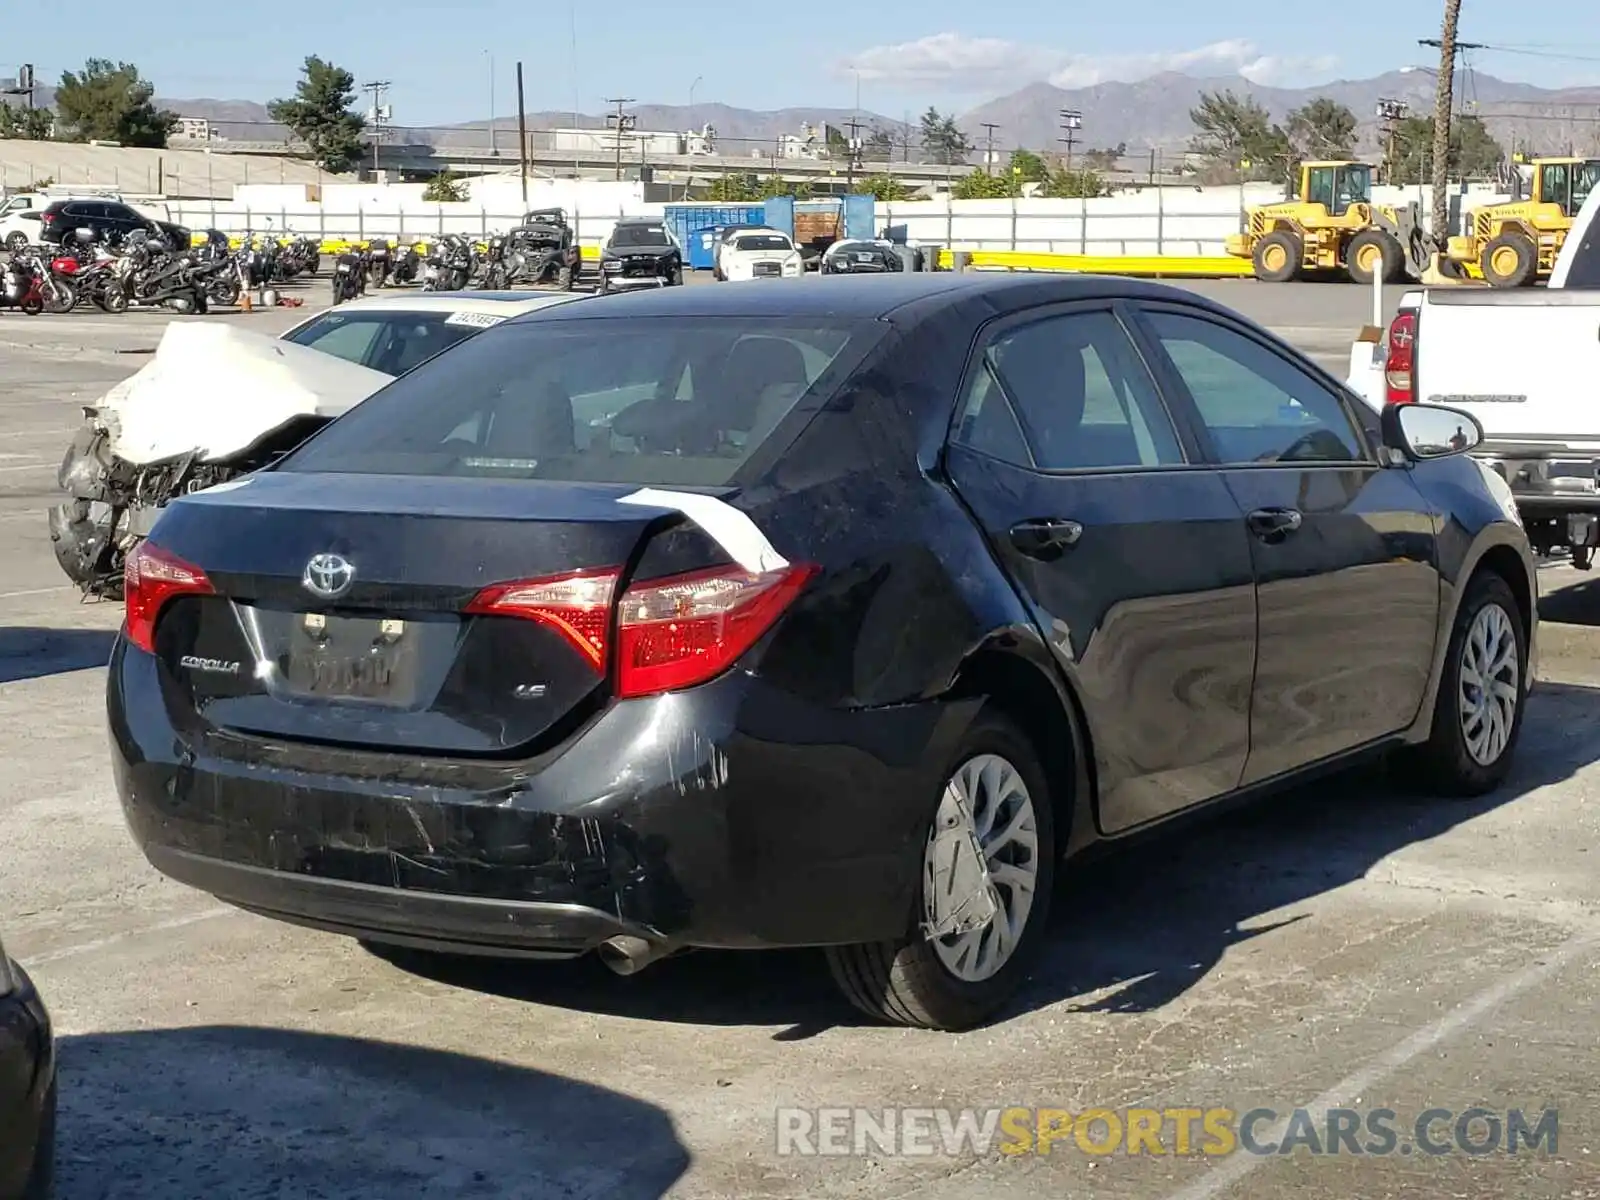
(833, 615)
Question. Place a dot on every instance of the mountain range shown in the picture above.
(1151, 113)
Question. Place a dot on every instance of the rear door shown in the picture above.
(1519, 361)
(1344, 549)
(1132, 556)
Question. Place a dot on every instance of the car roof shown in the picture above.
(875, 297)
(502, 304)
(641, 220)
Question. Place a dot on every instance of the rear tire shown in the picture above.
(1477, 715)
(16, 242)
(1509, 261)
(1277, 257)
(912, 980)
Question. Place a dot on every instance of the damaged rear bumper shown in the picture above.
(731, 815)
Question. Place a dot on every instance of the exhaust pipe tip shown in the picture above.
(628, 955)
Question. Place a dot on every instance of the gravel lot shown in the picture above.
(1342, 945)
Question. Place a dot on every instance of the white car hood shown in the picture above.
(732, 257)
(220, 389)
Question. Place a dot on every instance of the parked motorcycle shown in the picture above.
(407, 264)
(451, 265)
(152, 275)
(349, 277)
(22, 283)
(380, 255)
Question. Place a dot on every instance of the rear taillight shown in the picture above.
(578, 607)
(1398, 373)
(152, 576)
(670, 633)
(48, 218)
(684, 630)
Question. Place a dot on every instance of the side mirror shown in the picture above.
(1424, 431)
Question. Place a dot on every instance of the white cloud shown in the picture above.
(952, 62)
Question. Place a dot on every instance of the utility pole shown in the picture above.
(988, 154)
(852, 149)
(522, 137)
(494, 148)
(1443, 98)
(1390, 114)
(623, 122)
(378, 114)
(1071, 122)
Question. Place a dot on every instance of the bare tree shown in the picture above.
(1443, 100)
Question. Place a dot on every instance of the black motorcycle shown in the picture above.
(349, 276)
(407, 265)
(380, 261)
(152, 275)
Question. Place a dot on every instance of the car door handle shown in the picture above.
(1273, 524)
(1045, 537)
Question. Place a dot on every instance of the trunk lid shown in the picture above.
(342, 612)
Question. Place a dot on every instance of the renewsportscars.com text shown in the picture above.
(1211, 1132)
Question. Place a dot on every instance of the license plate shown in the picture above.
(352, 658)
(864, 257)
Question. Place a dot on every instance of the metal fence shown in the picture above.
(1064, 227)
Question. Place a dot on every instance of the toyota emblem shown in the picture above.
(328, 575)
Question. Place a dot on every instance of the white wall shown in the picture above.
(1170, 220)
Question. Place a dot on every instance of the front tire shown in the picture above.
(995, 792)
(1374, 252)
(1477, 716)
(1509, 261)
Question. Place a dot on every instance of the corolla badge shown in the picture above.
(328, 575)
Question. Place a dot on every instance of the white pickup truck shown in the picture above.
(1526, 364)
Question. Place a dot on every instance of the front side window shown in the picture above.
(1257, 406)
(668, 401)
(1079, 393)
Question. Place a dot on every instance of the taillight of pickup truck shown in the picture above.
(1399, 368)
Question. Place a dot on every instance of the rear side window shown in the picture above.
(1078, 390)
(664, 401)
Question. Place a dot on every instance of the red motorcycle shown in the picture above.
(22, 284)
(61, 286)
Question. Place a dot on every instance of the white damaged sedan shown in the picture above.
(216, 402)
(761, 254)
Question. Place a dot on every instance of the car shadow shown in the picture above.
(30, 652)
(1151, 933)
(214, 1112)
(1576, 603)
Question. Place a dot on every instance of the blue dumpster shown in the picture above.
(694, 225)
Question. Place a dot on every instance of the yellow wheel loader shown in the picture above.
(1515, 244)
(1333, 227)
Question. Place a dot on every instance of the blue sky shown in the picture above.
(950, 53)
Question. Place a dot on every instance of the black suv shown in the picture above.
(112, 220)
(640, 250)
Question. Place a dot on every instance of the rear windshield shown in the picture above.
(763, 241)
(388, 341)
(639, 235)
(680, 401)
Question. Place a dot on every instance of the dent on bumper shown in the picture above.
(731, 815)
